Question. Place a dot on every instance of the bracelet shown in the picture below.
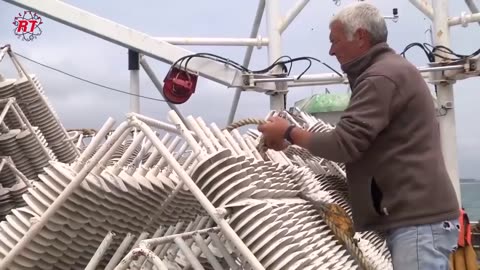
(288, 134)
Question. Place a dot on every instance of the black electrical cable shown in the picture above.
(433, 51)
(182, 63)
(447, 54)
(321, 62)
(87, 81)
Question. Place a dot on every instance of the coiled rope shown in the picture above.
(245, 122)
(333, 215)
(261, 147)
(342, 227)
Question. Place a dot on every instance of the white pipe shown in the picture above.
(105, 159)
(223, 250)
(127, 37)
(203, 246)
(277, 101)
(170, 148)
(3, 52)
(169, 238)
(92, 147)
(190, 256)
(97, 257)
(162, 208)
(305, 78)
(473, 8)
(233, 143)
(79, 141)
(138, 260)
(464, 19)
(135, 91)
(159, 249)
(313, 83)
(186, 134)
(138, 159)
(424, 7)
(445, 94)
(333, 78)
(182, 150)
(164, 254)
(60, 200)
(247, 58)
(209, 133)
(159, 124)
(202, 199)
(201, 135)
(246, 150)
(251, 144)
(215, 41)
(292, 14)
(221, 138)
(149, 163)
(117, 168)
(189, 161)
(3, 162)
(137, 253)
(5, 108)
(14, 60)
(119, 252)
(160, 231)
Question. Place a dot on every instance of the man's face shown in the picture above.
(343, 49)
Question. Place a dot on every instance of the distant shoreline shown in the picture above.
(469, 181)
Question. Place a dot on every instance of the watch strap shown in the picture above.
(288, 134)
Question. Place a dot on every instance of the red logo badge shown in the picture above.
(27, 26)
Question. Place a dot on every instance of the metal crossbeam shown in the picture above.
(129, 38)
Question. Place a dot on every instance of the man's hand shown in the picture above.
(273, 132)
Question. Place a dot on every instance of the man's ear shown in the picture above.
(363, 36)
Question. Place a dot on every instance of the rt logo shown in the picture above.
(27, 26)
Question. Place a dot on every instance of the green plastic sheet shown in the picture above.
(324, 103)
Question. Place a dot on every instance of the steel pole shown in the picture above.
(445, 96)
(134, 67)
(277, 100)
(247, 58)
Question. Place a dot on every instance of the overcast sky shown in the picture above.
(81, 105)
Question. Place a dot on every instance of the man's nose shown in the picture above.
(331, 51)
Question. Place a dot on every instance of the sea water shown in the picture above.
(471, 199)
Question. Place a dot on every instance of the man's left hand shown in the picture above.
(273, 132)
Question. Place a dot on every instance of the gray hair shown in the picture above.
(365, 16)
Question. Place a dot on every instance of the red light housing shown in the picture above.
(179, 85)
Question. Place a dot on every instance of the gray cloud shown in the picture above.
(83, 105)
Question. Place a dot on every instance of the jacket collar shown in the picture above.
(357, 66)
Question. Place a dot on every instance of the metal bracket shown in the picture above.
(471, 68)
(449, 72)
(266, 83)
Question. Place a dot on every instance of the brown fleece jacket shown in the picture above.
(389, 139)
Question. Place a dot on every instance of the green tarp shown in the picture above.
(324, 103)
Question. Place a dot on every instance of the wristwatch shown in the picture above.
(288, 134)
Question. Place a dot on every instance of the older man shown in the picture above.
(389, 139)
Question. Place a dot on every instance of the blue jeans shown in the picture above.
(423, 247)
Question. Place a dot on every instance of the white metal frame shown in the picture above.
(91, 158)
(163, 50)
